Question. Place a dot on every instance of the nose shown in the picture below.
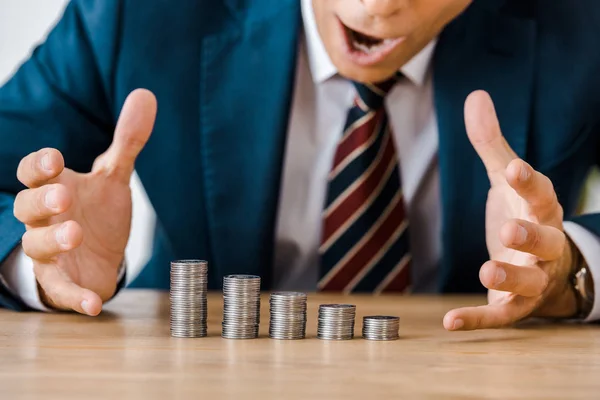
(382, 8)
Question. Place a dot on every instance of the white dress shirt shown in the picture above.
(321, 101)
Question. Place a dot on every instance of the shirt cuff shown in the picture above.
(18, 277)
(589, 246)
(16, 273)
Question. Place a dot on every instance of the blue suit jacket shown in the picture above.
(223, 73)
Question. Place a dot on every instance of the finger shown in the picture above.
(527, 281)
(483, 130)
(536, 189)
(484, 317)
(545, 242)
(38, 168)
(49, 241)
(32, 205)
(63, 294)
(131, 135)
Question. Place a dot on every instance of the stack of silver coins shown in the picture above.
(241, 306)
(288, 315)
(189, 280)
(381, 327)
(336, 321)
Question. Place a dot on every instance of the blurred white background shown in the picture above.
(24, 23)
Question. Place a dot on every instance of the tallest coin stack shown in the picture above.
(189, 279)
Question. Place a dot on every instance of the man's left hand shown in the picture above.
(530, 256)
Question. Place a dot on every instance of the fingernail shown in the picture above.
(51, 199)
(500, 276)
(46, 162)
(85, 306)
(61, 236)
(458, 323)
(521, 235)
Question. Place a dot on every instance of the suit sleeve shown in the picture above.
(61, 97)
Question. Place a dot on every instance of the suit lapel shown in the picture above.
(246, 91)
(483, 49)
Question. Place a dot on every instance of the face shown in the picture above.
(369, 40)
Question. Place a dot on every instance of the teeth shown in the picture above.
(370, 49)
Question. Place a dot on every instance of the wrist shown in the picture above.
(581, 282)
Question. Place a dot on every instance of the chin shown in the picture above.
(372, 74)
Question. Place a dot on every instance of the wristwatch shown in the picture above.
(582, 284)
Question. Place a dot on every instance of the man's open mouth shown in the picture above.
(365, 43)
(366, 49)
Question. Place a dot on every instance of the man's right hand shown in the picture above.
(78, 224)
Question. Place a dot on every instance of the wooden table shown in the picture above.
(127, 353)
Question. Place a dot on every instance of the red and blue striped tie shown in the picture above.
(365, 243)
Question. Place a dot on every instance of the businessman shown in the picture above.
(339, 145)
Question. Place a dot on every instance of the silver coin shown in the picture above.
(287, 315)
(241, 306)
(337, 307)
(381, 327)
(336, 321)
(235, 277)
(187, 296)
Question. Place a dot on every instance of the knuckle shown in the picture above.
(478, 322)
(27, 243)
(23, 170)
(33, 162)
(533, 239)
(18, 207)
(36, 203)
(514, 281)
(559, 211)
(547, 183)
(526, 175)
(39, 201)
(49, 238)
(523, 169)
(548, 206)
(558, 250)
(58, 161)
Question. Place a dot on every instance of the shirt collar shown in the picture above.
(322, 68)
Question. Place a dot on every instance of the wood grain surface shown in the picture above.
(127, 353)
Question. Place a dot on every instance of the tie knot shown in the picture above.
(373, 94)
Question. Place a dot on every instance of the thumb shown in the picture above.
(60, 292)
(131, 135)
(484, 133)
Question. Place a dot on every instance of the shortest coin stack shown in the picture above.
(336, 321)
(288, 315)
(241, 306)
(380, 327)
(188, 298)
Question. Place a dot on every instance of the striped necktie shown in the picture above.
(364, 242)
